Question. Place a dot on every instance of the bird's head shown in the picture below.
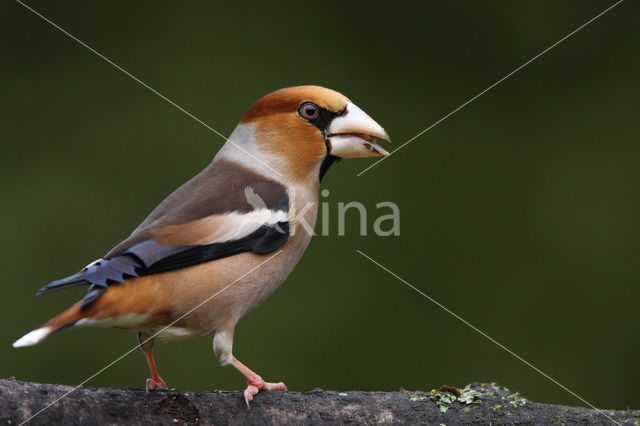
(300, 131)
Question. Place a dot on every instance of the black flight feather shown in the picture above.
(150, 257)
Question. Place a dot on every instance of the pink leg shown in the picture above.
(254, 382)
(155, 382)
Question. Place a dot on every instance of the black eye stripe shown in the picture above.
(322, 117)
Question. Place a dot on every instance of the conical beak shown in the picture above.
(353, 134)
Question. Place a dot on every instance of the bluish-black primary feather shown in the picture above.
(150, 257)
(237, 189)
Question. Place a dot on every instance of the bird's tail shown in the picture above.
(57, 323)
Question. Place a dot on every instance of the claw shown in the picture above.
(156, 384)
(256, 384)
(249, 392)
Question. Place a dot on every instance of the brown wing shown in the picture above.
(225, 210)
(217, 190)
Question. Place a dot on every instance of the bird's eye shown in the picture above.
(309, 110)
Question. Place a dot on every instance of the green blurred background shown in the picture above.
(519, 213)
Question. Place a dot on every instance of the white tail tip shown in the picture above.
(32, 338)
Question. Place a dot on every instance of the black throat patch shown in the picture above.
(327, 162)
(323, 121)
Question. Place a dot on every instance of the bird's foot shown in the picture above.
(155, 383)
(256, 384)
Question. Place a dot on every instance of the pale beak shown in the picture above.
(354, 134)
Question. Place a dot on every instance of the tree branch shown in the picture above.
(477, 403)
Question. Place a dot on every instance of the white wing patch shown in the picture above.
(219, 228)
(238, 225)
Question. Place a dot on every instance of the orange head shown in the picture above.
(304, 129)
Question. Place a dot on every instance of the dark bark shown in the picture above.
(476, 404)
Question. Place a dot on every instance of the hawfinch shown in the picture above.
(220, 244)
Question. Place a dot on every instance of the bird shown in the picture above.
(221, 243)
